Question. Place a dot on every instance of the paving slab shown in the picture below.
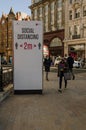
(50, 111)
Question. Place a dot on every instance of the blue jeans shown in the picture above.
(60, 80)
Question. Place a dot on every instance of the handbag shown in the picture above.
(67, 75)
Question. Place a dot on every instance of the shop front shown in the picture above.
(77, 51)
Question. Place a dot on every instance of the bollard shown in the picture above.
(1, 83)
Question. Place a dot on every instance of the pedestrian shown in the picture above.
(62, 68)
(47, 64)
(70, 62)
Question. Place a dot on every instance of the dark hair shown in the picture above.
(69, 54)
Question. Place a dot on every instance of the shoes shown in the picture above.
(65, 86)
(73, 77)
(59, 90)
(47, 79)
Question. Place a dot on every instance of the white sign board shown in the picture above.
(28, 46)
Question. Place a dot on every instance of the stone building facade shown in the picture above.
(51, 12)
(6, 32)
(75, 28)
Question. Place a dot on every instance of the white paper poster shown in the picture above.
(28, 46)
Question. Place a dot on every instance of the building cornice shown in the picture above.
(75, 40)
(39, 3)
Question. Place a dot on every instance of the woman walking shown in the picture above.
(62, 67)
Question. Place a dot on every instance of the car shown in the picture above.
(57, 60)
(76, 64)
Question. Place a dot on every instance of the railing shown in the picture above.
(6, 76)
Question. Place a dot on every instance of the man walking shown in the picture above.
(47, 64)
(70, 62)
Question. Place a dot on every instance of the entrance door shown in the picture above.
(56, 47)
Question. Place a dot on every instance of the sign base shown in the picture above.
(27, 91)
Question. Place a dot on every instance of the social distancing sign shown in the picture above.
(28, 53)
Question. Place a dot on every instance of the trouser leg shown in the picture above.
(65, 83)
(60, 82)
(71, 70)
(46, 75)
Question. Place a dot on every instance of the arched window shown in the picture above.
(55, 42)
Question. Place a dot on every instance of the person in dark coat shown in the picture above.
(62, 68)
(47, 64)
(70, 62)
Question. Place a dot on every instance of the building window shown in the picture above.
(70, 1)
(46, 9)
(84, 11)
(77, 13)
(76, 29)
(59, 15)
(52, 6)
(55, 42)
(59, 25)
(59, 3)
(70, 15)
(35, 1)
(35, 14)
(52, 18)
(40, 11)
(76, 32)
(84, 31)
(52, 13)
(46, 19)
(70, 32)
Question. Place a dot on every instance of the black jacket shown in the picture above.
(70, 61)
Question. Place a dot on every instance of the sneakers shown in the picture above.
(60, 90)
(65, 86)
(73, 77)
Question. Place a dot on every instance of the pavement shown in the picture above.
(51, 110)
